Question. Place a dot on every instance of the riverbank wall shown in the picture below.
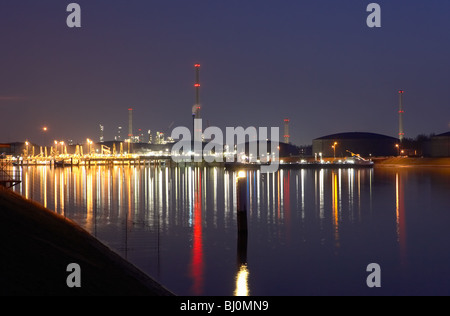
(412, 162)
(38, 246)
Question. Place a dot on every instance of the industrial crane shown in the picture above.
(106, 150)
(358, 156)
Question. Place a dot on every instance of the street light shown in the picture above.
(89, 146)
(45, 129)
(398, 149)
(62, 148)
(334, 149)
(56, 147)
(26, 144)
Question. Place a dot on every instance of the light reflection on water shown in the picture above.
(310, 232)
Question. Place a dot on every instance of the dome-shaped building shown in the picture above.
(439, 146)
(364, 144)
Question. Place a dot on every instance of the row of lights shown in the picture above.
(90, 142)
(396, 145)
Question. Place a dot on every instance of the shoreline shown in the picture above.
(38, 245)
(408, 162)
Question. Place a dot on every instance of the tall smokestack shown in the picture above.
(401, 132)
(102, 138)
(286, 131)
(130, 123)
(197, 91)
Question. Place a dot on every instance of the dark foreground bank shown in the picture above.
(412, 162)
(37, 246)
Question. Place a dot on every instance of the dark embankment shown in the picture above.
(37, 245)
(412, 162)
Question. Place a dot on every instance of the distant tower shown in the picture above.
(196, 111)
(119, 133)
(102, 129)
(130, 123)
(286, 131)
(149, 136)
(401, 132)
(140, 137)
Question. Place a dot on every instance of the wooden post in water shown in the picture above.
(241, 195)
(241, 192)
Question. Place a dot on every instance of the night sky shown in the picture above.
(314, 61)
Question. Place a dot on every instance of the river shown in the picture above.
(310, 232)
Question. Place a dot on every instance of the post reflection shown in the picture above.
(243, 187)
(89, 193)
(335, 202)
(197, 263)
(400, 217)
(242, 288)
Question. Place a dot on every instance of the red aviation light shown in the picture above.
(401, 91)
(130, 109)
(197, 65)
(197, 85)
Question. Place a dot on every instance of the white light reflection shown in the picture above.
(321, 194)
(89, 201)
(281, 194)
(108, 192)
(61, 191)
(44, 181)
(120, 188)
(274, 189)
(160, 195)
(215, 195)
(258, 195)
(359, 194)
(302, 175)
(167, 184)
(242, 288)
(235, 175)
(55, 181)
(351, 174)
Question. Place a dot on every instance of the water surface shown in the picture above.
(310, 232)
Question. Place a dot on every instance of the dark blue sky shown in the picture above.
(315, 62)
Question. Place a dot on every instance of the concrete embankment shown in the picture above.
(412, 162)
(37, 246)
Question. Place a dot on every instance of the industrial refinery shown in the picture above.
(140, 147)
